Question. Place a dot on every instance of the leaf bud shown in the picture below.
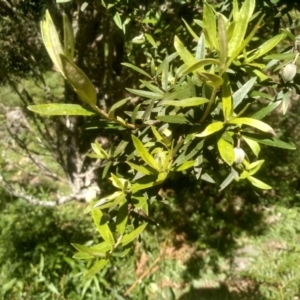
(239, 155)
(289, 71)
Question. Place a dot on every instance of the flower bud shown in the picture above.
(239, 155)
(289, 72)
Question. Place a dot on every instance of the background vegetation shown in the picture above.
(234, 244)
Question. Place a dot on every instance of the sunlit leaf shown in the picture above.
(128, 238)
(194, 101)
(226, 151)
(258, 183)
(136, 69)
(211, 128)
(254, 123)
(97, 267)
(144, 154)
(226, 98)
(60, 109)
(80, 82)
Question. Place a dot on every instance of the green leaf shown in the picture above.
(186, 165)
(242, 19)
(211, 128)
(209, 26)
(98, 266)
(199, 64)
(99, 250)
(51, 41)
(122, 217)
(254, 146)
(265, 111)
(144, 154)
(210, 79)
(117, 105)
(194, 101)
(81, 255)
(117, 182)
(136, 69)
(241, 93)
(69, 43)
(151, 40)
(127, 238)
(226, 98)
(176, 119)
(226, 151)
(258, 183)
(146, 94)
(266, 47)
(191, 31)
(187, 57)
(281, 56)
(141, 169)
(102, 227)
(101, 153)
(269, 142)
(118, 21)
(254, 123)
(60, 109)
(245, 42)
(80, 82)
(223, 41)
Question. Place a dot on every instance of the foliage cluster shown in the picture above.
(189, 116)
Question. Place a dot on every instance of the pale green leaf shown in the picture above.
(241, 93)
(241, 23)
(176, 119)
(226, 151)
(151, 40)
(141, 169)
(146, 94)
(226, 98)
(211, 128)
(187, 57)
(97, 267)
(258, 183)
(118, 21)
(199, 64)
(210, 79)
(254, 123)
(186, 165)
(265, 111)
(60, 109)
(144, 154)
(194, 101)
(117, 105)
(209, 26)
(254, 146)
(128, 238)
(102, 227)
(223, 41)
(136, 69)
(69, 43)
(122, 217)
(191, 31)
(80, 82)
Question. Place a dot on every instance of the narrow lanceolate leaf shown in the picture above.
(80, 82)
(258, 183)
(241, 24)
(146, 94)
(226, 151)
(176, 119)
(122, 217)
(187, 57)
(191, 31)
(97, 250)
(141, 169)
(269, 142)
(199, 64)
(265, 111)
(51, 40)
(223, 41)
(254, 146)
(254, 123)
(186, 165)
(103, 227)
(226, 98)
(211, 128)
(97, 267)
(266, 47)
(69, 43)
(241, 93)
(144, 154)
(209, 26)
(135, 68)
(194, 101)
(117, 105)
(59, 109)
(127, 238)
